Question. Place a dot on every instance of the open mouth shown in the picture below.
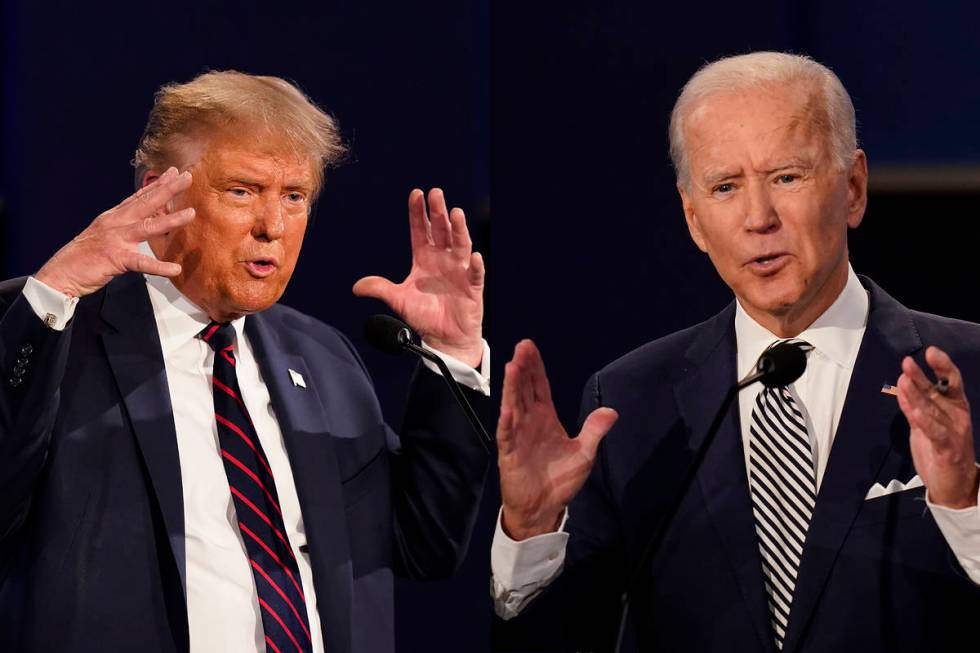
(260, 268)
(768, 263)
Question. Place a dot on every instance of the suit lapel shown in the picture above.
(136, 359)
(305, 426)
(861, 446)
(722, 477)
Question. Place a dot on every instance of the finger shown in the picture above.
(157, 197)
(144, 193)
(462, 245)
(509, 409)
(151, 226)
(477, 272)
(922, 411)
(911, 369)
(439, 219)
(943, 367)
(137, 262)
(418, 225)
(524, 384)
(378, 288)
(536, 372)
(595, 428)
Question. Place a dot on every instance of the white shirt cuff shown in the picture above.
(52, 306)
(961, 529)
(478, 380)
(522, 569)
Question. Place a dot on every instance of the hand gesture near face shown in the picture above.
(110, 245)
(442, 296)
(941, 431)
(541, 468)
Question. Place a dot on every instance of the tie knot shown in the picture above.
(218, 336)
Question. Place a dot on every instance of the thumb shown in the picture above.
(596, 425)
(376, 287)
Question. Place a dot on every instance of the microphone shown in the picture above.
(392, 336)
(779, 365)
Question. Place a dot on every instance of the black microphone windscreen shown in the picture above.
(383, 332)
(782, 363)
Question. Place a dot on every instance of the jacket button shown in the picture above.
(19, 371)
(14, 381)
(21, 362)
(26, 350)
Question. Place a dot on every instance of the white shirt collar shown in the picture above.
(179, 320)
(836, 334)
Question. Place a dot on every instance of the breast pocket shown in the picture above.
(894, 506)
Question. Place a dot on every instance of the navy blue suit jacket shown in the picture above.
(91, 515)
(876, 575)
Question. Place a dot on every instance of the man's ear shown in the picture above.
(693, 224)
(857, 189)
(149, 177)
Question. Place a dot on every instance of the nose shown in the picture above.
(270, 220)
(760, 213)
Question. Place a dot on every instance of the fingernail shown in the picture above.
(171, 171)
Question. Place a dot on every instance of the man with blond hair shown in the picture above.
(186, 464)
(807, 526)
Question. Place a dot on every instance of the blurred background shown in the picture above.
(410, 89)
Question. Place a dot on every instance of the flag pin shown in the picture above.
(889, 389)
(297, 378)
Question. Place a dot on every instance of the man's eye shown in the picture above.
(724, 188)
(238, 192)
(786, 179)
(295, 197)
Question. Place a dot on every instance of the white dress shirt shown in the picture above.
(222, 603)
(522, 569)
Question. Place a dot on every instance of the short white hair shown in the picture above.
(758, 69)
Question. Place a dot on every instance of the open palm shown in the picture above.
(442, 296)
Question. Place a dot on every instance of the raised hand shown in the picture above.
(442, 296)
(109, 246)
(541, 468)
(942, 433)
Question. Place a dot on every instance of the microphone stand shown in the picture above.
(653, 544)
(405, 340)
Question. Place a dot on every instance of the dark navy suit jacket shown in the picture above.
(91, 515)
(876, 575)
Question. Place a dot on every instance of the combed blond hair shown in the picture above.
(835, 111)
(219, 101)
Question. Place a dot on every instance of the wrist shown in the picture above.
(520, 528)
(961, 499)
(55, 281)
(469, 353)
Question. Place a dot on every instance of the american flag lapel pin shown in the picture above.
(888, 389)
(297, 378)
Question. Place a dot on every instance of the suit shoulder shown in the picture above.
(660, 359)
(959, 338)
(306, 330)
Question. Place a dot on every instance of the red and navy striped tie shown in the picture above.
(277, 579)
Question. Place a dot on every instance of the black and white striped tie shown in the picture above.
(784, 491)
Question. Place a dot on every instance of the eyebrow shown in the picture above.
(303, 185)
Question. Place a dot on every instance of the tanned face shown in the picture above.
(767, 203)
(252, 200)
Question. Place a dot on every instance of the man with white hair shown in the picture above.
(807, 526)
(186, 464)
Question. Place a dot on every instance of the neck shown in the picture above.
(792, 322)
